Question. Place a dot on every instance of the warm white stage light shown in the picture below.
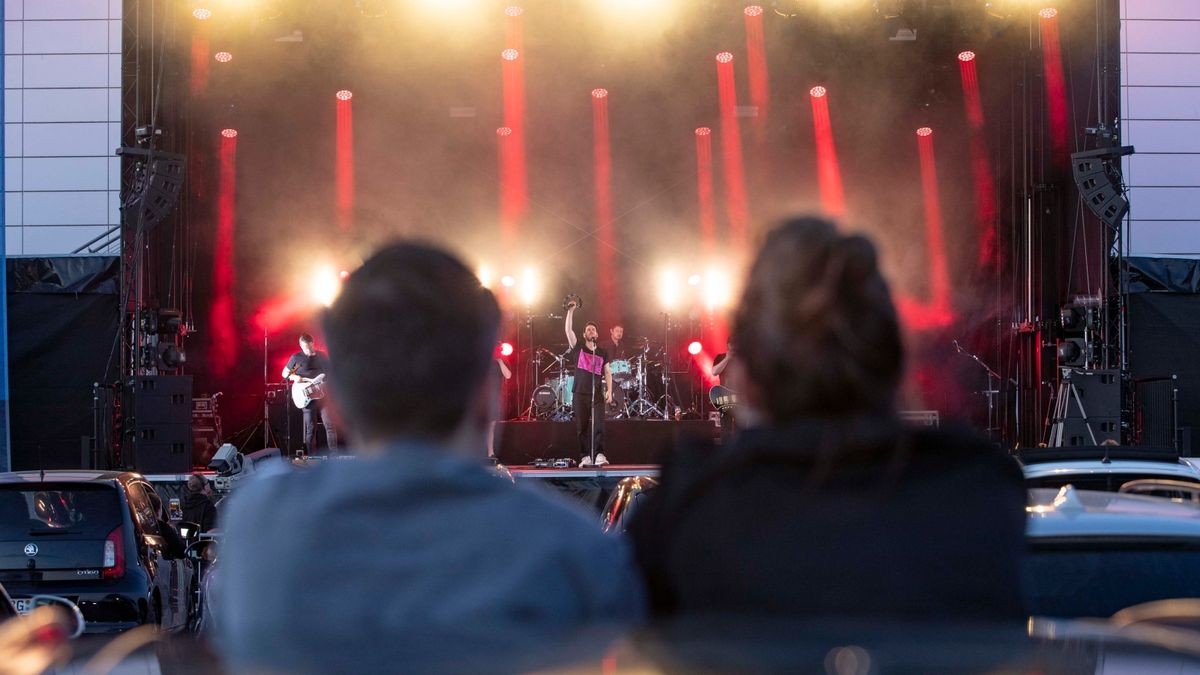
(325, 286)
(530, 286)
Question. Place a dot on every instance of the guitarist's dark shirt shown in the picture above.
(308, 366)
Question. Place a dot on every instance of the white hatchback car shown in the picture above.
(1103, 468)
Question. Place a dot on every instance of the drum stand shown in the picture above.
(642, 407)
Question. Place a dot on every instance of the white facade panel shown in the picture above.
(66, 105)
(1161, 37)
(77, 139)
(65, 208)
(12, 175)
(69, 70)
(58, 240)
(12, 208)
(1171, 103)
(1168, 203)
(1162, 136)
(12, 240)
(12, 105)
(1160, 9)
(12, 71)
(1166, 238)
(66, 37)
(1163, 69)
(14, 9)
(67, 9)
(1163, 170)
(65, 173)
(12, 140)
(12, 37)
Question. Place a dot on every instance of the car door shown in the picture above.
(152, 548)
(178, 603)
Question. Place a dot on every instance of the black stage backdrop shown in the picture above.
(62, 333)
(1164, 340)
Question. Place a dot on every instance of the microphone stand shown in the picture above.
(993, 380)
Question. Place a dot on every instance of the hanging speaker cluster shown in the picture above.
(1098, 175)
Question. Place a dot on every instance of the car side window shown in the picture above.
(143, 509)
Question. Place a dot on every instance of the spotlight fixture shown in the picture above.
(599, 93)
(504, 131)
(703, 131)
(509, 54)
(817, 91)
(202, 13)
(694, 347)
(229, 133)
(1048, 13)
(506, 349)
(513, 10)
(753, 10)
(724, 57)
(223, 57)
(344, 95)
(924, 131)
(966, 56)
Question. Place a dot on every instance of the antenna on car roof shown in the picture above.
(41, 465)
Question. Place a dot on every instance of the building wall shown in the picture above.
(1160, 111)
(62, 114)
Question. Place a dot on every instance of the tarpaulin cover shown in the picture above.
(62, 337)
(1174, 275)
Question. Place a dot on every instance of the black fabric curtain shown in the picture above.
(1164, 340)
(62, 338)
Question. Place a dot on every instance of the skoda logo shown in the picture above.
(30, 550)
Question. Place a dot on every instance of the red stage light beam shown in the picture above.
(514, 32)
(514, 198)
(222, 324)
(1056, 86)
(704, 192)
(829, 173)
(344, 160)
(731, 150)
(198, 73)
(988, 249)
(606, 244)
(936, 313)
(756, 63)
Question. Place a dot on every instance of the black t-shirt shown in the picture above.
(717, 361)
(617, 350)
(307, 366)
(589, 366)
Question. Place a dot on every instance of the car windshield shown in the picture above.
(91, 511)
(1103, 482)
(1096, 577)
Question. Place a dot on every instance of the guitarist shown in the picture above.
(728, 420)
(305, 366)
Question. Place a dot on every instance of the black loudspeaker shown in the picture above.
(1099, 392)
(1099, 182)
(158, 423)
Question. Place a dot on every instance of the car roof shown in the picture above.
(1177, 469)
(1069, 513)
(66, 476)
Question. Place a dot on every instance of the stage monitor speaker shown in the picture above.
(158, 423)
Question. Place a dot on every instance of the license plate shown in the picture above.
(23, 605)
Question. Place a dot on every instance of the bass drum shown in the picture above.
(563, 389)
(545, 397)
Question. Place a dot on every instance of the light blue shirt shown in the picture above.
(416, 558)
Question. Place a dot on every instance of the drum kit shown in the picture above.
(632, 398)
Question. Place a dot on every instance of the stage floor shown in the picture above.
(609, 471)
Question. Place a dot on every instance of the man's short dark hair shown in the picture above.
(306, 338)
(410, 342)
(592, 324)
(195, 482)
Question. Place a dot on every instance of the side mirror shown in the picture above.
(74, 617)
(204, 550)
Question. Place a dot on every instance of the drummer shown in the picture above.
(619, 355)
(616, 349)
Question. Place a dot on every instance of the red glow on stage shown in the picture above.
(704, 191)
(599, 93)
(343, 167)
(202, 14)
(981, 169)
(1056, 87)
(756, 64)
(514, 196)
(817, 91)
(223, 354)
(223, 57)
(198, 73)
(513, 28)
(731, 152)
(694, 347)
(829, 173)
(936, 313)
(606, 243)
(924, 131)
(506, 349)
(966, 56)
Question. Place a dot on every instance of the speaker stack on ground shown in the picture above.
(158, 423)
(1092, 415)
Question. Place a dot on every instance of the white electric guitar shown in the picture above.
(308, 390)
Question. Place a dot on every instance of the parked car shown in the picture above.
(1102, 468)
(1093, 554)
(100, 539)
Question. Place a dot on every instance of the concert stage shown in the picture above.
(591, 487)
(637, 442)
